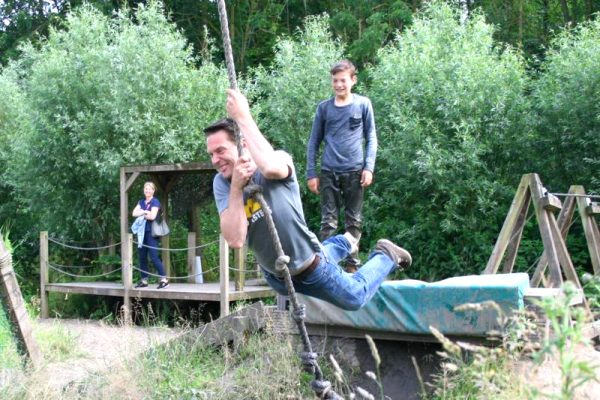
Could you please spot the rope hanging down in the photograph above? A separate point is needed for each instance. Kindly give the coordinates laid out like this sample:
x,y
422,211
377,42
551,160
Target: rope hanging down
x,y
321,387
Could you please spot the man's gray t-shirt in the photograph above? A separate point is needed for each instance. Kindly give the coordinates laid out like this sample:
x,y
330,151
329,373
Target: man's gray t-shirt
x,y
283,197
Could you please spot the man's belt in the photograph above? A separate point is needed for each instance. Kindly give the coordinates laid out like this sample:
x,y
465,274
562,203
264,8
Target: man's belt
x,y
308,270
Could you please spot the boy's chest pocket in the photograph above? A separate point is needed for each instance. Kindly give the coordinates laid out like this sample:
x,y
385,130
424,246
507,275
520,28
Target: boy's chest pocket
x,y
355,122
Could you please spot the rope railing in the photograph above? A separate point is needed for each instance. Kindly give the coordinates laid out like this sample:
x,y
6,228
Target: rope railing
x,y
178,249
56,241
53,267
174,277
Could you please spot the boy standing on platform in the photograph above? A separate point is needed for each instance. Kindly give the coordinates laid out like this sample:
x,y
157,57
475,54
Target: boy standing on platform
x,y
344,122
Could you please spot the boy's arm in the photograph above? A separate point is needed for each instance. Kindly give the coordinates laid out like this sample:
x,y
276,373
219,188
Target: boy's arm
x,y
370,137
269,162
312,148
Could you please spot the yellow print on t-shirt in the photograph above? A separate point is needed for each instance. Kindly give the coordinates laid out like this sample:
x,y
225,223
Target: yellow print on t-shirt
x,y
253,210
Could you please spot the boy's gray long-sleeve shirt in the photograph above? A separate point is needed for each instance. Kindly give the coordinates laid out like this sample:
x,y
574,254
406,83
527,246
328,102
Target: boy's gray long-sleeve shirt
x,y
343,130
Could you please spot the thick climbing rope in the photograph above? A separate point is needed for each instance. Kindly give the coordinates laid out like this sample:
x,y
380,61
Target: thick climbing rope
x,y
320,386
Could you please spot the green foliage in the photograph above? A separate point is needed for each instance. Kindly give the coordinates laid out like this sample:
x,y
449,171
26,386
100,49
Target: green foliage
x,y
449,104
567,101
265,367
566,327
100,94
288,93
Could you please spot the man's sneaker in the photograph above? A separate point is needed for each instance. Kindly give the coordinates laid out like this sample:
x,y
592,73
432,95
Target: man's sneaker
x,y
353,243
401,257
163,284
141,284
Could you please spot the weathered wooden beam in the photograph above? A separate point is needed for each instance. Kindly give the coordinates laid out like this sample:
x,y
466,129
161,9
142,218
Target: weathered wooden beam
x,y
239,260
179,167
191,256
224,275
231,328
543,218
515,239
126,249
15,306
564,223
593,209
590,228
508,227
131,180
550,203
44,312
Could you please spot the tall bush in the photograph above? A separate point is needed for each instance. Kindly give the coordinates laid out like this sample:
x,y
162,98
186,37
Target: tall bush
x,y
567,102
449,105
102,93
287,92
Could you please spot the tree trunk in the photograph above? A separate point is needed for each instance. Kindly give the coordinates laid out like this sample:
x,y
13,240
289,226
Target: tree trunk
x,y
565,10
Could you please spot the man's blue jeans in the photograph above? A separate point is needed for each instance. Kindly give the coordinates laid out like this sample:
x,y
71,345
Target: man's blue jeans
x,y
331,283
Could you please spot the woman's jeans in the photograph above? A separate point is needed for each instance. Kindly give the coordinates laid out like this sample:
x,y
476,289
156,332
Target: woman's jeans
x,y
143,252
331,283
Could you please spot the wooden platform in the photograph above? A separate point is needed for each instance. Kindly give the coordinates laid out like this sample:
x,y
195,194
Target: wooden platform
x,y
175,291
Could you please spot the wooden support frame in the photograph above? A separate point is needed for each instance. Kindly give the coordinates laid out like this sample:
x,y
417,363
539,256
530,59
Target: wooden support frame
x,y
555,259
13,300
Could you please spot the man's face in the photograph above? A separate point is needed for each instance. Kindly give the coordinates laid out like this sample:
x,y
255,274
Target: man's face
x,y
342,83
223,152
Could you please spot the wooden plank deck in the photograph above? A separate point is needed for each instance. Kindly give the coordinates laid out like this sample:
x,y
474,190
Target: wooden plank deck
x,y
176,291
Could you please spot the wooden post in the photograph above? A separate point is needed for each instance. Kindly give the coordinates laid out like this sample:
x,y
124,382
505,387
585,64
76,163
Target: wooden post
x,y
590,228
239,260
224,275
13,300
515,238
127,273
545,220
191,256
44,273
126,248
564,223
519,201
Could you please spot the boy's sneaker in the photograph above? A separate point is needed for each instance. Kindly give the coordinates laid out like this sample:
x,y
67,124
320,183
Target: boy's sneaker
x,y
163,284
141,284
400,256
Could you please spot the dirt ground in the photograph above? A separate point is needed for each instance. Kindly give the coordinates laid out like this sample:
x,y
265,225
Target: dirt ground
x,y
103,349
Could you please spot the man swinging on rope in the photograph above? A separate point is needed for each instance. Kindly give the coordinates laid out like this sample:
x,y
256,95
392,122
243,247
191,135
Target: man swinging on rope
x,y
313,265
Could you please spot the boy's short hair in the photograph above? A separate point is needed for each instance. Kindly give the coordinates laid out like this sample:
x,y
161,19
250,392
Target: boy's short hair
x,y
344,65
226,124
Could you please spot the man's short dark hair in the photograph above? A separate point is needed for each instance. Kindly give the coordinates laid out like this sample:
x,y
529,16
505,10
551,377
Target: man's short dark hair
x,y
344,65
226,124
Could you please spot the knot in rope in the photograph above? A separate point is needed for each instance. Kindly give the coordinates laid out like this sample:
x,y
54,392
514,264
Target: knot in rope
x,y
323,389
299,314
252,189
281,263
309,361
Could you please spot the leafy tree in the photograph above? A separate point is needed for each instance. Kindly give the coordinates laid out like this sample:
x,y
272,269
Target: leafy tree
x,y
448,103
567,101
287,94
100,94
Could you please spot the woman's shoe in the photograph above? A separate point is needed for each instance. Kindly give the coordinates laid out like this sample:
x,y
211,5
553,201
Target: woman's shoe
x,y
163,284
141,284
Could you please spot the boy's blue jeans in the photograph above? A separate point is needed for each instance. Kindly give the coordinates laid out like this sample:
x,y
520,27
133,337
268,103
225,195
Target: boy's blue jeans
x,y
331,283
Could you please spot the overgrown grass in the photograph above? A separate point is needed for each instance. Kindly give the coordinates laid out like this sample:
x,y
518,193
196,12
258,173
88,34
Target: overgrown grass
x,y
9,355
480,372
265,367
